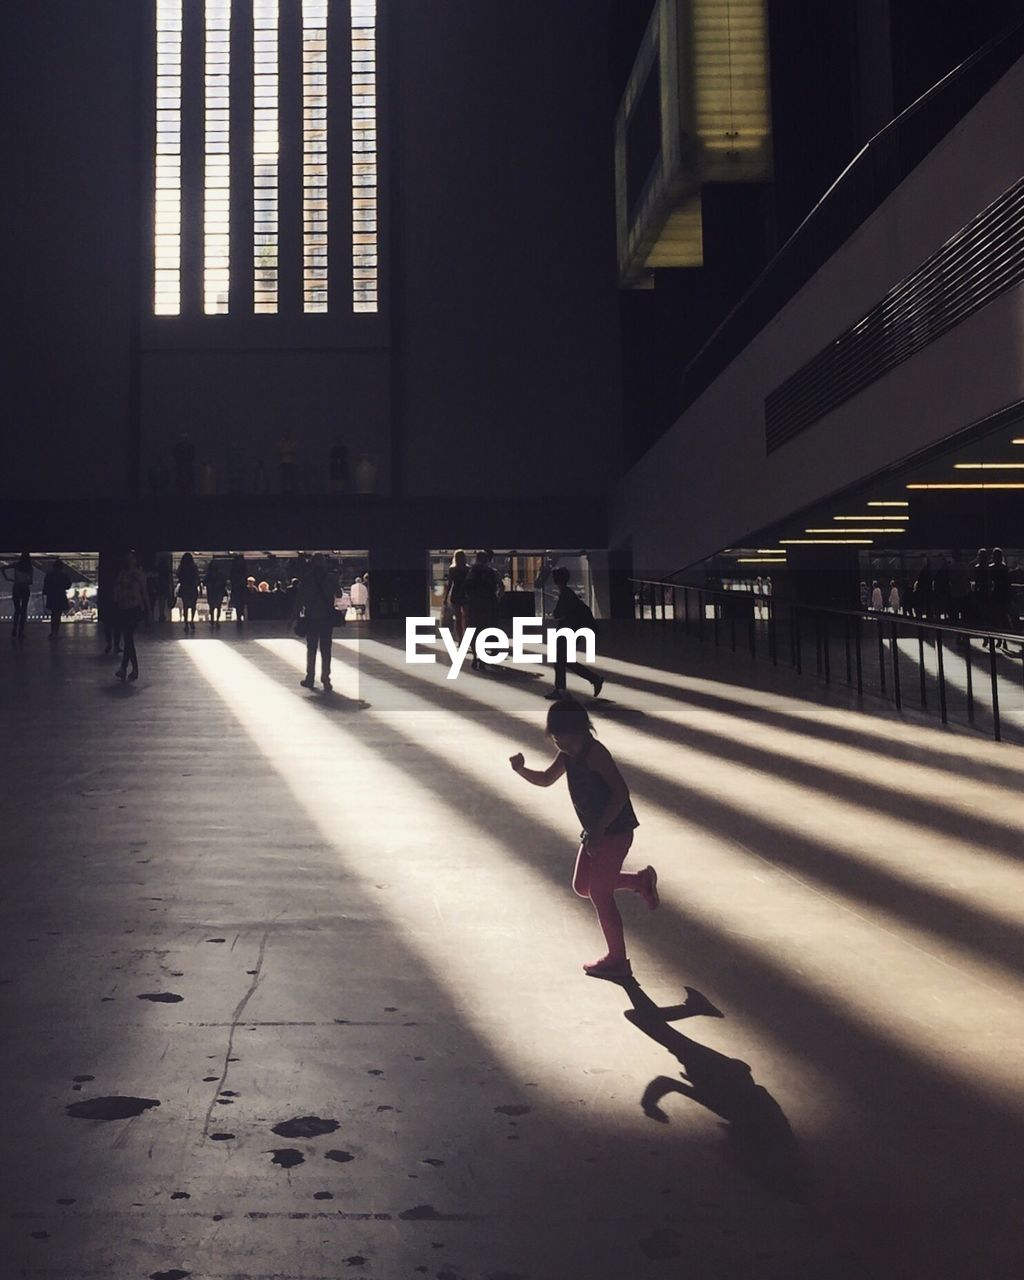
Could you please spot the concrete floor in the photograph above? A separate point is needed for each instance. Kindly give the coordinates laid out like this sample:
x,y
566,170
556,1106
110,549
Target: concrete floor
x,y
356,918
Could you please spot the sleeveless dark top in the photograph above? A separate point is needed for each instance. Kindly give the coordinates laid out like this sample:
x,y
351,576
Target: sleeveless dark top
x,y
589,793
457,577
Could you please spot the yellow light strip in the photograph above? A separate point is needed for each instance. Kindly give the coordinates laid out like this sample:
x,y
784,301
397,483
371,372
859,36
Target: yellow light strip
x,y
859,518
760,560
1018,440
983,484
888,504
844,531
769,551
988,466
831,542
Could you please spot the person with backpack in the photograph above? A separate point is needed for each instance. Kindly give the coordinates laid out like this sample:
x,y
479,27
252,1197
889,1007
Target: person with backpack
x,y
570,611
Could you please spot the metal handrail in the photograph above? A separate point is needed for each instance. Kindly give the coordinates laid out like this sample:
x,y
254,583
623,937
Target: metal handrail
x,y
827,626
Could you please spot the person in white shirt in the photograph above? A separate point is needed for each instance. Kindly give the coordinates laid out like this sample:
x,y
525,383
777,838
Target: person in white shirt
x,y
359,595
876,597
894,598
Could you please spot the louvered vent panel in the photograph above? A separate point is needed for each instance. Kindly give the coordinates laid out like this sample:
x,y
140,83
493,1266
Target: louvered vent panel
x,y
980,262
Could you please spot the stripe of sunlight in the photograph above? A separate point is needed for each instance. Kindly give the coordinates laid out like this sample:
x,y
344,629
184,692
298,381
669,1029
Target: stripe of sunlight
x,y
935,785
913,735
954,667
460,903
949,867
809,932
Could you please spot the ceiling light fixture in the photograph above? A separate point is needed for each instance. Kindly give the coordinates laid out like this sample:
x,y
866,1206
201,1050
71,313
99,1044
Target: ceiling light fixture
x,y
983,484
988,466
894,516
831,542
845,531
888,504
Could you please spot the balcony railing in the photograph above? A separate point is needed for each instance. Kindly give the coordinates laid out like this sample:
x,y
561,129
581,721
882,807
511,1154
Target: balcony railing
x,y
964,675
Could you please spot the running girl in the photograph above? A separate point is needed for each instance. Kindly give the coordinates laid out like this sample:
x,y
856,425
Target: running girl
x,y
601,800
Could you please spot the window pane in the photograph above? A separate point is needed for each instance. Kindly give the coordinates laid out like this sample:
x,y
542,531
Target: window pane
x,y
167,219
217,168
364,155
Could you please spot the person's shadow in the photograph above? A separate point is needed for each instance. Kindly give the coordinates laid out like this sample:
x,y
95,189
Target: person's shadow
x,y
761,1140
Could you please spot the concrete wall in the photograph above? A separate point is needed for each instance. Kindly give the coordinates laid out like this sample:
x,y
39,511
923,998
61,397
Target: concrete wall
x,y
708,483
506,302
67,101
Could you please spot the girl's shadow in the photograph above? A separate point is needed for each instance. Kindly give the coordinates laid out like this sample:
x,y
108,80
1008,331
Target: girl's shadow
x,y
760,1137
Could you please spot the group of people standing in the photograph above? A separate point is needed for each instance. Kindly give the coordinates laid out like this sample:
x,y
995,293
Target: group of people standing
x,y
57,582
472,597
977,594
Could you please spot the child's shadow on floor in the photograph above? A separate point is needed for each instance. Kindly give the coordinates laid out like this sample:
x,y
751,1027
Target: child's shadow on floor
x,y
761,1140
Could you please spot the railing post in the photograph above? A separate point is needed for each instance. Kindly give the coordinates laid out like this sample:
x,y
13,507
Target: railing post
x,y
895,649
860,672
714,620
825,643
846,645
799,646
817,642
881,656
995,688
942,678
920,658
970,683
773,639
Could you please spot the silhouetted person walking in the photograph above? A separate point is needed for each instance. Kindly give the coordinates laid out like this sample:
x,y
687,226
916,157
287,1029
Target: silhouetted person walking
x,y
999,594
20,575
109,614
483,587
318,589
570,611
132,600
55,592
216,590
979,588
239,582
455,594
188,589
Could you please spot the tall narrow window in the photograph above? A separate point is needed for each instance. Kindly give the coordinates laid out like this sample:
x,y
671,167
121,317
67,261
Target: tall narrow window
x,y
314,155
217,166
167,216
364,155
265,154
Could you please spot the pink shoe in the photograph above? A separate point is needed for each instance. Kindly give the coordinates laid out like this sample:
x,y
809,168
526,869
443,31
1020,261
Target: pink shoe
x,y
648,889
615,970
